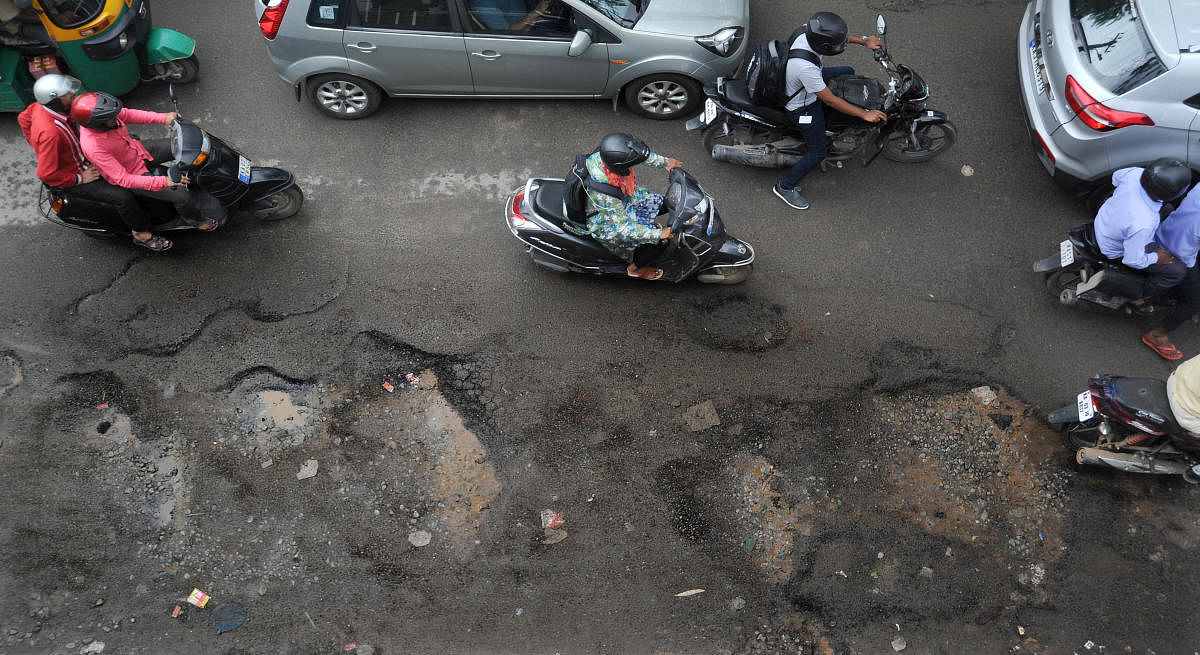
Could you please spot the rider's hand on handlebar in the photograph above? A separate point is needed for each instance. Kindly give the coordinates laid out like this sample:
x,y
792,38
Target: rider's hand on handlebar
x,y
172,116
873,116
673,163
183,182
874,42
88,174
665,234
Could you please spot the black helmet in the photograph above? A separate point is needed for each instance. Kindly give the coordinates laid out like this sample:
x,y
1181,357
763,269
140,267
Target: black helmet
x,y
1166,179
619,151
95,110
827,33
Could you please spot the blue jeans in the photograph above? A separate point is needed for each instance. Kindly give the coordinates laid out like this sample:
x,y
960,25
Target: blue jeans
x,y
813,133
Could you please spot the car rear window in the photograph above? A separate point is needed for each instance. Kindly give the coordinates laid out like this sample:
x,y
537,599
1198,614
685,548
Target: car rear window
x,y
1110,36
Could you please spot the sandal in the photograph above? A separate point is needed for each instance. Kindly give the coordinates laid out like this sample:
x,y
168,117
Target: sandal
x,y
1168,351
204,224
654,274
155,243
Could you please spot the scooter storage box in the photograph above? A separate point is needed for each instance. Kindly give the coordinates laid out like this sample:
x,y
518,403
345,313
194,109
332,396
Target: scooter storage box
x,y
15,82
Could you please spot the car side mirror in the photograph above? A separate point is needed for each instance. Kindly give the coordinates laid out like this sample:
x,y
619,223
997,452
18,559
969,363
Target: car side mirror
x,y
580,44
880,25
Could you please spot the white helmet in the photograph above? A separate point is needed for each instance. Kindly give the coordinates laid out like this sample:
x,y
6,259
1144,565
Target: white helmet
x,y
52,87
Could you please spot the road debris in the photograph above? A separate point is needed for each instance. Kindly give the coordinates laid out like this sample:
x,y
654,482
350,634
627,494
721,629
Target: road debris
x,y
412,379
94,647
967,171
388,386
176,611
554,535
308,470
551,519
984,394
701,417
841,573
899,644
419,538
197,598
102,406
227,617
689,592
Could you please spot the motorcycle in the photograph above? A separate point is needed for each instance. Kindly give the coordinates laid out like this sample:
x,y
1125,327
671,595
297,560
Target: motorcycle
x,y
1080,275
700,247
211,165
737,131
1127,424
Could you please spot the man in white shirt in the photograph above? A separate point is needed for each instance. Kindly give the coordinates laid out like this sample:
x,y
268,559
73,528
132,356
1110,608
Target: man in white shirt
x,y
825,34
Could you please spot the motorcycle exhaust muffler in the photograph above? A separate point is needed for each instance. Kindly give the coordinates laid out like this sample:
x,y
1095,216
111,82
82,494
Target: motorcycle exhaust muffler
x,y
757,156
1129,462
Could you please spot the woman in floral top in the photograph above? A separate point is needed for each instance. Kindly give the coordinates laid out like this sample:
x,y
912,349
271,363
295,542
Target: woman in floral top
x,y
626,225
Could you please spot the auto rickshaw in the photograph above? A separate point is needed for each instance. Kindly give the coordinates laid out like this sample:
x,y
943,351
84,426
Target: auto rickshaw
x,y
110,45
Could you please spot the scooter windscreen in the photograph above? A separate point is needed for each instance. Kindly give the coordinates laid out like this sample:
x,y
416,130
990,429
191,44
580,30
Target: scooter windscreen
x,y
685,199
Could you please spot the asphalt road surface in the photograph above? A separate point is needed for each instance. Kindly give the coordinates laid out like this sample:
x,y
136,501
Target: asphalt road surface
x,y
804,447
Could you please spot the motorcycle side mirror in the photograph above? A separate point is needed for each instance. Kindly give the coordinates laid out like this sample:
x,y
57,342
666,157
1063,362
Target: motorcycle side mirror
x,y
174,98
174,174
880,25
580,44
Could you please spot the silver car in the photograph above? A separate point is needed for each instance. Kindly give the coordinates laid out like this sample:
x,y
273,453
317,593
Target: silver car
x,y
345,55
1108,84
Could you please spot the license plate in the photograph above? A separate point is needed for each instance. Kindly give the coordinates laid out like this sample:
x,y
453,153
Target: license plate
x,y
243,169
710,111
1035,53
1084,403
1066,253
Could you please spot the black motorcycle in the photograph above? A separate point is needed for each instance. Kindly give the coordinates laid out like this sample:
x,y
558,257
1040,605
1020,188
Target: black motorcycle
x,y
211,164
735,130
535,214
1079,275
1127,424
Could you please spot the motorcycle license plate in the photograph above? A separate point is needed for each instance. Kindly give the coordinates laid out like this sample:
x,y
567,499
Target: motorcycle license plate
x,y
1066,253
710,111
1084,402
243,169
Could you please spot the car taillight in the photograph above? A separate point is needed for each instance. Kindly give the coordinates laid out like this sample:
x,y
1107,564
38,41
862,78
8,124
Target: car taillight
x,y
1097,116
272,18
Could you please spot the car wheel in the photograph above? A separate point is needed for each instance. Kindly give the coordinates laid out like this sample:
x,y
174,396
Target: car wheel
x,y
344,96
663,96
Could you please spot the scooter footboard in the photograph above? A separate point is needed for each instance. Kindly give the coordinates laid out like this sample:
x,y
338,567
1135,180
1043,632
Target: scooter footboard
x,y
734,252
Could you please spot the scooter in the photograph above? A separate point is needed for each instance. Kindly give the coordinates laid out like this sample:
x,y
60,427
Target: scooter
x,y
735,130
535,215
1079,275
1127,424
211,165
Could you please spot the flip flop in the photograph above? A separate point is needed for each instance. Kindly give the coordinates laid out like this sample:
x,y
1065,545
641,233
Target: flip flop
x,y
207,225
1168,351
653,275
155,243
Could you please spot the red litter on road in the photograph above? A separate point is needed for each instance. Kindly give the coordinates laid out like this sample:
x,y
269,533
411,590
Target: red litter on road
x,y
389,387
551,518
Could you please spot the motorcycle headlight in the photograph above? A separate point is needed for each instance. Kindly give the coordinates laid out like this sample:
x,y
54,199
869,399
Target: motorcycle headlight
x,y
723,42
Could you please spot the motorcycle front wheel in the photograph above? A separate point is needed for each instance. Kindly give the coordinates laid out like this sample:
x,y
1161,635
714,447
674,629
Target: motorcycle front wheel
x,y
928,141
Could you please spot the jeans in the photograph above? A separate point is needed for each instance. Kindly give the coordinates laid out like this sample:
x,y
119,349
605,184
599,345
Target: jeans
x,y
813,133
127,205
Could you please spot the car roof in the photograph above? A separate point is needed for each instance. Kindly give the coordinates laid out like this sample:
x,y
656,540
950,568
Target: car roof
x,y
1187,24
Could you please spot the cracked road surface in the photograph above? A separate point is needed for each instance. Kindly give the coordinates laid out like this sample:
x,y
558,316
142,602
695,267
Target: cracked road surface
x,y
805,448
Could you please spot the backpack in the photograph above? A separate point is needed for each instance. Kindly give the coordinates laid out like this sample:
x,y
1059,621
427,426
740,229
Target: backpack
x,y
575,200
766,74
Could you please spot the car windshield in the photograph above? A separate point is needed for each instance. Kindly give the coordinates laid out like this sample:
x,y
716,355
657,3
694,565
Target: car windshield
x,y
72,13
1112,39
624,12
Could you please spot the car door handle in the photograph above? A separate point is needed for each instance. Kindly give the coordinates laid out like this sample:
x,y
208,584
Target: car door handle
x,y
362,46
490,55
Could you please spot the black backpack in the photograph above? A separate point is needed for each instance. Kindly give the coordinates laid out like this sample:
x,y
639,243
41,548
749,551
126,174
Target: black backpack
x,y
577,183
766,74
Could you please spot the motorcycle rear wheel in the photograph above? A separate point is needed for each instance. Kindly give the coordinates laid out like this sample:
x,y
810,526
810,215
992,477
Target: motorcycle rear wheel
x,y
1060,281
931,140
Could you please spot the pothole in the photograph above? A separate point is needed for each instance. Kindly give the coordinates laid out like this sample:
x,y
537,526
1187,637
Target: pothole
x,y
742,324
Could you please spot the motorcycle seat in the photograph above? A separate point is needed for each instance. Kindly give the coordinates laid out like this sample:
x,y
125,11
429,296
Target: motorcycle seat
x,y
1146,399
737,92
549,202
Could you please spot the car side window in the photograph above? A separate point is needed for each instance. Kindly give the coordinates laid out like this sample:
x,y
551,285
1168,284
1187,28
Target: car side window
x,y
424,15
543,18
325,13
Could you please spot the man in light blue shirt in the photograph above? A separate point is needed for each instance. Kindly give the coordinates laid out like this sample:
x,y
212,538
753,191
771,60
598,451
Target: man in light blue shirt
x,y
1180,234
1126,223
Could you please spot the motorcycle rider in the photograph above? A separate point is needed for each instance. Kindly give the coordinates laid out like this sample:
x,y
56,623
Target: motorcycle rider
x,y
125,161
626,225
61,163
1180,235
825,34
1127,222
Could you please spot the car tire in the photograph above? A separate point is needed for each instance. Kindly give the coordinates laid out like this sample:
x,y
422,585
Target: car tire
x,y
663,97
343,96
